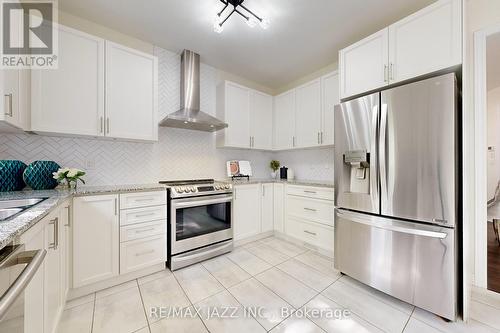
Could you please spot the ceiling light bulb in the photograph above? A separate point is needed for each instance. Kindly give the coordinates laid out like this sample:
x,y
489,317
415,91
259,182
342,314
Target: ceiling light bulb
x,y
264,23
218,28
252,21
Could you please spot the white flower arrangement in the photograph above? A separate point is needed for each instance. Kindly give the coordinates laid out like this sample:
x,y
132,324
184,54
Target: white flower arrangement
x,y
69,175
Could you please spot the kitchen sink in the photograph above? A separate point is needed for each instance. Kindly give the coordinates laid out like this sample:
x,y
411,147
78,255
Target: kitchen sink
x,y
9,208
9,212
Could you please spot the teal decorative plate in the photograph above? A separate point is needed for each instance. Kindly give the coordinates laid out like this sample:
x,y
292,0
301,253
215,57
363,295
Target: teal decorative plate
x,y
38,175
11,175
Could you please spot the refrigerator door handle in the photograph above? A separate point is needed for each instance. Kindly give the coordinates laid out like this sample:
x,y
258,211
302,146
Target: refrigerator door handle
x,y
383,157
379,223
374,157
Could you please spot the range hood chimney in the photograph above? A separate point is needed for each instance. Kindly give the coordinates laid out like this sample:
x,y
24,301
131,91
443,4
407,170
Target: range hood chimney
x,y
190,116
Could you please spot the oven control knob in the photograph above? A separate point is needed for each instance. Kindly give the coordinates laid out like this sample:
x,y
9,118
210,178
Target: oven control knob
x,y
227,186
180,189
193,189
217,187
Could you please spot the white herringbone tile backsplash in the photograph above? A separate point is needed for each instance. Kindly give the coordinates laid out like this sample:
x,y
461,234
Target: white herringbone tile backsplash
x,y
179,154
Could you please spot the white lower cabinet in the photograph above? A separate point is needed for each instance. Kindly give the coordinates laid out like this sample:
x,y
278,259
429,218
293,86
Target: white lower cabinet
x,y
310,215
45,295
141,253
52,287
246,211
267,211
95,239
34,239
312,233
279,207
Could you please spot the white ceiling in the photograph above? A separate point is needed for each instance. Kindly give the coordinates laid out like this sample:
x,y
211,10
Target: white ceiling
x,y
304,36
493,61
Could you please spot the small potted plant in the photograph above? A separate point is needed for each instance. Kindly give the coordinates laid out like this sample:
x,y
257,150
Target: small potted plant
x,y
69,176
275,165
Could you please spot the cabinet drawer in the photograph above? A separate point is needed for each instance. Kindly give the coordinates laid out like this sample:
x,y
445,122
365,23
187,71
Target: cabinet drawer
x,y
324,193
320,211
142,230
142,253
143,199
140,215
315,234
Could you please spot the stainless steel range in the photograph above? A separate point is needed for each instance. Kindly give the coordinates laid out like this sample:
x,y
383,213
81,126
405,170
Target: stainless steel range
x,y
199,220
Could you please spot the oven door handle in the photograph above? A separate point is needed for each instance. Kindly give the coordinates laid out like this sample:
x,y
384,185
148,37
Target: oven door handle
x,y
202,202
34,259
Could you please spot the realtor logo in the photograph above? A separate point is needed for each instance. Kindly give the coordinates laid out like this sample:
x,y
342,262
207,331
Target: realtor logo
x,y
29,34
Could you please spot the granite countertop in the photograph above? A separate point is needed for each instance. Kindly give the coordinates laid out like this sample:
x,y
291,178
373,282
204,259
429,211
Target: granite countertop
x,y
15,226
243,181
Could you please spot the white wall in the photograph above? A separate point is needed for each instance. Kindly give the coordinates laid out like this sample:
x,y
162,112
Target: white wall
x,y
493,166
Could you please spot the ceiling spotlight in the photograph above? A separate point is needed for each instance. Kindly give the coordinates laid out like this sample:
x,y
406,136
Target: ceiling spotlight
x,y
251,19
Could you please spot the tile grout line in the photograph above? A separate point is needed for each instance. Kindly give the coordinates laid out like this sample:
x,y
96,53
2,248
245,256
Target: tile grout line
x,y
93,313
227,289
190,302
253,277
406,324
143,305
366,292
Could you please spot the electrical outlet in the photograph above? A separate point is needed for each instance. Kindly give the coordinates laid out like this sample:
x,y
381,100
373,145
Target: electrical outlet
x,y
90,164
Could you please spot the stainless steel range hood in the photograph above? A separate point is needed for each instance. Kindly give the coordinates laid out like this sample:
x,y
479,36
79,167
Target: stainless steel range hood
x,y
190,116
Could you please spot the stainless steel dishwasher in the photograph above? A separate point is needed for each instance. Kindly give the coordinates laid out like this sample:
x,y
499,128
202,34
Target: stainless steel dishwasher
x,y
17,268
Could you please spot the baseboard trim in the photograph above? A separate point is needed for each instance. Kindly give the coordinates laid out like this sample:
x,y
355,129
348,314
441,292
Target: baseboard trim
x,y
91,288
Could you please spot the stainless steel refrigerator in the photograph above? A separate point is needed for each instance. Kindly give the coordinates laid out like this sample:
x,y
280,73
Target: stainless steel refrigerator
x,y
396,192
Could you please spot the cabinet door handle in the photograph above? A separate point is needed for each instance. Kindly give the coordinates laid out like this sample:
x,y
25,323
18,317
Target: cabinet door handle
x,y
107,125
69,217
386,74
101,121
318,138
9,112
310,209
116,206
321,141
144,214
253,142
145,230
144,253
310,232
391,72
144,199
55,235
312,192
293,141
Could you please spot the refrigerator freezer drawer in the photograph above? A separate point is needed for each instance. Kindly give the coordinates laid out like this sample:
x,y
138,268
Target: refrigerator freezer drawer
x,y
410,261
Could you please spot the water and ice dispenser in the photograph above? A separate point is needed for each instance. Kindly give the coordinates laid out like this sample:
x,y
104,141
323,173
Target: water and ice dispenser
x,y
359,163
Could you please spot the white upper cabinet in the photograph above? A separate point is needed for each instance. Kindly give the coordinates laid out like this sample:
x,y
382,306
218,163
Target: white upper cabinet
x,y
15,91
70,99
96,93
284,120
233,107
363,65
329,98
249,115
308,114
426,41
261,120
131,93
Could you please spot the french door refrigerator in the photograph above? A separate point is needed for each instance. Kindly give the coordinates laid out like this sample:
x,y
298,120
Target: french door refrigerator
x,y
396,192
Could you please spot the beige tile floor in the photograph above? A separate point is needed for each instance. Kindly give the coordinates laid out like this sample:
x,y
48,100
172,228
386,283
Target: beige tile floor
x,y
276,279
